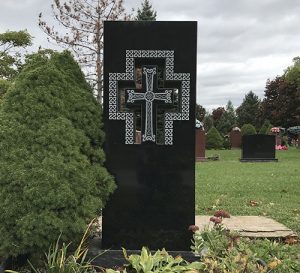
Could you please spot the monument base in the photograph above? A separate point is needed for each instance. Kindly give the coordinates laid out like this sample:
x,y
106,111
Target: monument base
x,y
258,160
115,258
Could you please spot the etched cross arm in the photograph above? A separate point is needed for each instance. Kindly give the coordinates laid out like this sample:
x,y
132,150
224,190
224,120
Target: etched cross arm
x,y
134,96
166,96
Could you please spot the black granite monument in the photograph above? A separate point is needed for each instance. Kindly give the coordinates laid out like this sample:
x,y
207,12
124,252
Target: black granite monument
x,y
258,148
150,86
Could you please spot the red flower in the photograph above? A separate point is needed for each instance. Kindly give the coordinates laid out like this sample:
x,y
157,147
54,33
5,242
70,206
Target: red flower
x,y
253,203
275,130
222,213
193,228
215,220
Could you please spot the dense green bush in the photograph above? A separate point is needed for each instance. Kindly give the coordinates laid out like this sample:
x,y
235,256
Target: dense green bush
x,y
4,85
248,129
52,178
213,139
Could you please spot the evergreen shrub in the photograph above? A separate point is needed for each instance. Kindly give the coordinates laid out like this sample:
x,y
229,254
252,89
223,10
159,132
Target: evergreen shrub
x,y
52,178
248,129
265,128
213,139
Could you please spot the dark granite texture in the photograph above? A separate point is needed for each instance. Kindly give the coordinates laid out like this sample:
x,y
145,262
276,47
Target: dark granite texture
x,y
155,200
115,258
258,148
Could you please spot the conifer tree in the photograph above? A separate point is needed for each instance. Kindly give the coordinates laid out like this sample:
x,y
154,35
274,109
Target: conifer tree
x,y
248,111
265,128
52,179
146,12
213,139
228,119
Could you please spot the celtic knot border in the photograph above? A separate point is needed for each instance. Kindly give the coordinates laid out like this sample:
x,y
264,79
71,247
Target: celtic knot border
x,y
182,114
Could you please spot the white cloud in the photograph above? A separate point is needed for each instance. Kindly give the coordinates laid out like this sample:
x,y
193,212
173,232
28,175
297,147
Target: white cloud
x,y
240,43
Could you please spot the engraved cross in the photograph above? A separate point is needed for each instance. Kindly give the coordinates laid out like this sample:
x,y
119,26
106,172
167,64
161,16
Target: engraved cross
x,y
150,94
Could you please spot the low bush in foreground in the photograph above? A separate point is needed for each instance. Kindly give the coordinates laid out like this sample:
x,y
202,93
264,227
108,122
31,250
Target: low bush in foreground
x,y
224,251
219,251
159,262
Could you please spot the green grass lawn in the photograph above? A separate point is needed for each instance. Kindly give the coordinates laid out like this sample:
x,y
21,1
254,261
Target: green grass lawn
x,y
231,185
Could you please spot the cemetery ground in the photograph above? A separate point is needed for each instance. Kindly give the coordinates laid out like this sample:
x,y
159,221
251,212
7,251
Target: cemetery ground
x,y
270,189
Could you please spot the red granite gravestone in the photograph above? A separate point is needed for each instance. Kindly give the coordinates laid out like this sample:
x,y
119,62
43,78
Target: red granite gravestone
x,y
235,139
200,145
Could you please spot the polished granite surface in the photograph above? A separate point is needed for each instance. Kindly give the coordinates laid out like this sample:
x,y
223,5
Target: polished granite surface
x,y
154,203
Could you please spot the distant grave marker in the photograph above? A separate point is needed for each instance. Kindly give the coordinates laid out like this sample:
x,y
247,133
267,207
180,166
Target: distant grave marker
x,y
200,144
235,138
258,148
149,120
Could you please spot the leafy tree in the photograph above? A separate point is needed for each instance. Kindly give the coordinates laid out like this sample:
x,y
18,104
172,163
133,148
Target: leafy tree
x,y
52,178
208,122
265,128
11,43
248,129
217,114
146,12
227,120
281,104
213,139
200,112
83,35
292,73
292,76
248,111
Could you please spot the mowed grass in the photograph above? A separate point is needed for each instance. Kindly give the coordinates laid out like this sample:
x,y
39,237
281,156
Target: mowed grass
x,y
231,185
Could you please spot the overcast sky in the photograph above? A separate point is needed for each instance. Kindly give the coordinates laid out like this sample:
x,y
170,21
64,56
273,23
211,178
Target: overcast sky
x,y
241,43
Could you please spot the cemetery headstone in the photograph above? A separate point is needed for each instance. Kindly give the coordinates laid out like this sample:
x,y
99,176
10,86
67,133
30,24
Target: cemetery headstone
x,y
235,138
150,86
258,148
200,144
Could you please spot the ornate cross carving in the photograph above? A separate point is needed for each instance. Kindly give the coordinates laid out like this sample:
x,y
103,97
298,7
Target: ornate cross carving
x,y
169,117
150,94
